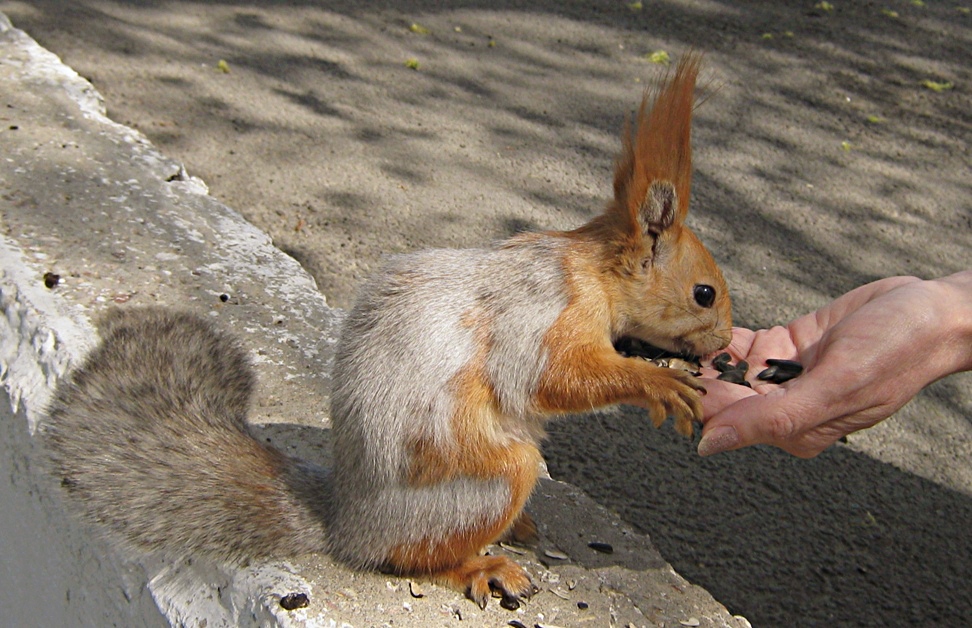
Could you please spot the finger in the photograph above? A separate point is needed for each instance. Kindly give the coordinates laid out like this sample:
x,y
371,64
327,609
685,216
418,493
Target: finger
x,y
742,341
720,394
775,342
776,418
725,431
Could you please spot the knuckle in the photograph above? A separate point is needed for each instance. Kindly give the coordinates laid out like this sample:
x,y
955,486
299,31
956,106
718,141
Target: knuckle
x,y
782,428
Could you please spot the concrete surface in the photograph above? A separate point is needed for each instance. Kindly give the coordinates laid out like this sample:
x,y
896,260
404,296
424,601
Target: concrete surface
x,y
119,224
822,162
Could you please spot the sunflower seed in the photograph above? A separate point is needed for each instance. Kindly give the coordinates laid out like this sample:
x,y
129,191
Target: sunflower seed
x,y
415,589
293,601
721,362
509,602
780,371
512,548
733,376
604,548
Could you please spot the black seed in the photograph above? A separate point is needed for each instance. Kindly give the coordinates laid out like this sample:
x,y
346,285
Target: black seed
x,y
743,366
780,371
224,298
786,366
51,280
509,602
721,362
775,376
733,376
768,374
583,606
516,623
293,601
604,548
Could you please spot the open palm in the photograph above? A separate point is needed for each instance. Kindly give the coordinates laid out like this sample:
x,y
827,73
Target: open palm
x,y
865,355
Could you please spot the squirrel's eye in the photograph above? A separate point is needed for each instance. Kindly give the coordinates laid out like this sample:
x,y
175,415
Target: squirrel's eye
x,y
704,295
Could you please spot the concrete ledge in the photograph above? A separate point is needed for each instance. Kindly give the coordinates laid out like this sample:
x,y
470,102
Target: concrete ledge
x,y
92,216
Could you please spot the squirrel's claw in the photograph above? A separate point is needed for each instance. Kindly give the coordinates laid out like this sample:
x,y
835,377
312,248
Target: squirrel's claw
x,y
480,575
674,394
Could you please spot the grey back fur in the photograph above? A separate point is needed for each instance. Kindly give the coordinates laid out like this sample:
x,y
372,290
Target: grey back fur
x,y
415,325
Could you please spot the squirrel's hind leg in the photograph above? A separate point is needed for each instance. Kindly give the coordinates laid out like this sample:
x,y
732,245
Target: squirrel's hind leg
x,y
455,562
454,559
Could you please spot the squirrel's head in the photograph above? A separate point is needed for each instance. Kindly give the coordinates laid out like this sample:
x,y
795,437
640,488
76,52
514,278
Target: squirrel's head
x,y
670,291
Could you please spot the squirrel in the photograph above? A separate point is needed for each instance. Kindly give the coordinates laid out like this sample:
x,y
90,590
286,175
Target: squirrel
x,y
448,366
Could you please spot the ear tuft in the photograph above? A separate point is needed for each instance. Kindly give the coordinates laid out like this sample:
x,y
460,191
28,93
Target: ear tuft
x,y
655,164
657,212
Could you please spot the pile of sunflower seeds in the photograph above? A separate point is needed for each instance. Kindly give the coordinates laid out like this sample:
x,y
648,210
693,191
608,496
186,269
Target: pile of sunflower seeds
x,y
777,371
634,348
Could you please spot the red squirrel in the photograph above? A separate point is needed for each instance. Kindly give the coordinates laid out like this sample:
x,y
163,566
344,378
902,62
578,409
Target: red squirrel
x,y
448,366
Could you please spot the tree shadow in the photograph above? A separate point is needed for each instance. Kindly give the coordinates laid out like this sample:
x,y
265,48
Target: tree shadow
x,y
841,539
821,163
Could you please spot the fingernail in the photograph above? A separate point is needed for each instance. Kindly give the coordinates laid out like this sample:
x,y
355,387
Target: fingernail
x,y
718,440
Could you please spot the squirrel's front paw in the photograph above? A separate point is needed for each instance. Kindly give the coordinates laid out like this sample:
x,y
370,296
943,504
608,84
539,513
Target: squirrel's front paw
x,y
676,394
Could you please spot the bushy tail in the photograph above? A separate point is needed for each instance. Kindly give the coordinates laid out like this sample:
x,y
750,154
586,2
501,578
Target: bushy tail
x,y
149,438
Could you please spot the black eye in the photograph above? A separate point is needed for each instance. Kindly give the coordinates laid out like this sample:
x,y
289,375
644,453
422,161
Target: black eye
x,y
704,295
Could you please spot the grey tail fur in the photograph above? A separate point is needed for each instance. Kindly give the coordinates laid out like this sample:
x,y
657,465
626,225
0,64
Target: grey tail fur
x,y
149,437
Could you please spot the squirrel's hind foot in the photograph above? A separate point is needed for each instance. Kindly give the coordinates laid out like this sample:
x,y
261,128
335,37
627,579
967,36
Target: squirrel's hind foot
x,y
480,575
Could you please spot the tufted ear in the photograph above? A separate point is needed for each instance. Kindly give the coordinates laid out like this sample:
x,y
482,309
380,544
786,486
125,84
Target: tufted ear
x,y
659,209
653,177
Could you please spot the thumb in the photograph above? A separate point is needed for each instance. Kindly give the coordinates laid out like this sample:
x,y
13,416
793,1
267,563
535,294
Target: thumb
x,y
753,420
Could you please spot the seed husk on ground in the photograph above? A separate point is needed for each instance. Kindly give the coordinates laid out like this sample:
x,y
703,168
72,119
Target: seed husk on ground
x,y
598,546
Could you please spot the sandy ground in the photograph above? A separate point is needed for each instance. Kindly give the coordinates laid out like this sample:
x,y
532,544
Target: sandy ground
x,y
822,161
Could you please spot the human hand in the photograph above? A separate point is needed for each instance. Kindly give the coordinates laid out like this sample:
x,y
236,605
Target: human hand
x,y
865,355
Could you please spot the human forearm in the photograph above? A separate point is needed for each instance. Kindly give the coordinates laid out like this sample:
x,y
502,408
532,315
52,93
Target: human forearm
x,y
956,335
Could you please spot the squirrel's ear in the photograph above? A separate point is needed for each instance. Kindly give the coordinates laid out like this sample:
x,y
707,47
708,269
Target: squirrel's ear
x,y
653,177
659,209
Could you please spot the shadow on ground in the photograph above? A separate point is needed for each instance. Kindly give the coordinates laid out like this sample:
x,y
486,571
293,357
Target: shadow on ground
x,y
840,540
822,163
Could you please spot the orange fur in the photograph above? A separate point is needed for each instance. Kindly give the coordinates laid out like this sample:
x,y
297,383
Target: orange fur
x,y
585,372
478,574
661,148
605,277
478,451
479,448
523,530
519,466
455,559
